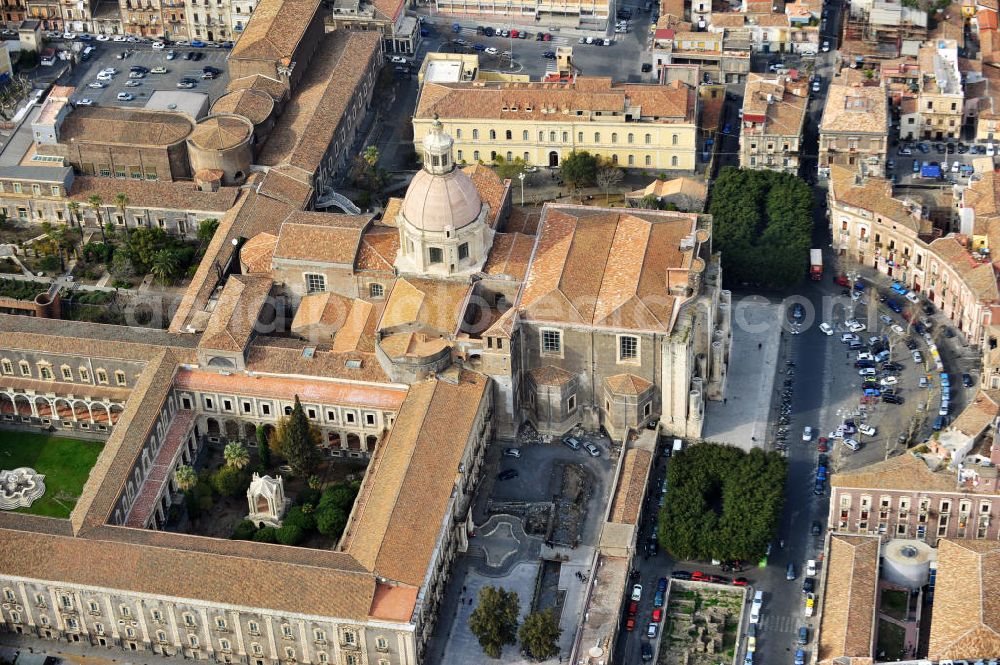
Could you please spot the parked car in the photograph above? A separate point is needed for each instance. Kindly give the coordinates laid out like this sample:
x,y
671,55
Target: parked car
x,y
800,656
508,474
826,328
511,452
637,592
125,96
790,572
811,567
592,449
892,398
680,575
967,380
808,585
817,528
804,635
807,433
867,430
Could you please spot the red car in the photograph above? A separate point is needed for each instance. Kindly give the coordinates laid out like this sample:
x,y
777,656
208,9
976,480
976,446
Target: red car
x,y
630,624
841,280
547,37
633,608
741,581
657,615
698,575
822,446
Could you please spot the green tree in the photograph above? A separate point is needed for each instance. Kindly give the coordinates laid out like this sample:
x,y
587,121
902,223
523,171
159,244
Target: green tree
x,y
230,481
96,203
263,448
74,216
298,439
650,202
206,231
540,634
185,477
121,202
371,156
266,535
121,266
509,170
164,265
244,530
494,621
579,169
143,244
290,534
330,521
236,455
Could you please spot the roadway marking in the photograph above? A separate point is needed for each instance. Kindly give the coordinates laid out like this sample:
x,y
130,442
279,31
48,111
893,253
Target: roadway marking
x,y
780,623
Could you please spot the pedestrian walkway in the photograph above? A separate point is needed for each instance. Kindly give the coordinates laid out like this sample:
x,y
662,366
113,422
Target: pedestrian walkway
x,y
741,419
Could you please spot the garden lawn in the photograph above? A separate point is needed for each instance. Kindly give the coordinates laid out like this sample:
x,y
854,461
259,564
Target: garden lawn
x,y
65,463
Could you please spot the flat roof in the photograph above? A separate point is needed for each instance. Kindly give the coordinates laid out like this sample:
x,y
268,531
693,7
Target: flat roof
x,y
447,71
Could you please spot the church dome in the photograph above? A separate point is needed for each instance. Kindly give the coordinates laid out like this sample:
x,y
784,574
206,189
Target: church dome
x,y
439,202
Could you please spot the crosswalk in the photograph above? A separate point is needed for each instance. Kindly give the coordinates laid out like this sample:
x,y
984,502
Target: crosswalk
x,y
779,623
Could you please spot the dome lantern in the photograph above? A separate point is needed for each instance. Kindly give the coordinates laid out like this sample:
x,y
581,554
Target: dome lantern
x,y
437,150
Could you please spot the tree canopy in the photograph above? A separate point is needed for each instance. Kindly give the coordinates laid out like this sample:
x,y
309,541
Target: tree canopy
x,y
579,169
540,634
763,226
722,502
494,621
297,440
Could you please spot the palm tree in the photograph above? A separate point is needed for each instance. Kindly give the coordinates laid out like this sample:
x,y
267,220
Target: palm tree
x,y
236,455
371,156
121,200
96,202
164,265
185,477
74,216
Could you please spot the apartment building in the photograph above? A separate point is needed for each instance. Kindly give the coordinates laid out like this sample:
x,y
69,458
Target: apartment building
x,y
722,53
632,125
853,132
774,113
588,14
938,109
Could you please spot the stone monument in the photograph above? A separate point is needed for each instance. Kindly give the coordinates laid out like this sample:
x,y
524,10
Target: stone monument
x,y
266,498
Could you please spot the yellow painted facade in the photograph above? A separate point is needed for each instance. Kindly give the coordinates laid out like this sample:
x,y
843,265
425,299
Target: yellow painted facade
x,y
644,145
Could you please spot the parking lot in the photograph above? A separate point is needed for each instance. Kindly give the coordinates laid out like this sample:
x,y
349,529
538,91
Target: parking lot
x,y
106,55
934,153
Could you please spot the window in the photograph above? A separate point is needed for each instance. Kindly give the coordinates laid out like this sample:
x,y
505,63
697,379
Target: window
x,y
45,372
631,160
193,641
673,139
102,376
551,341
220,623
104,170
120,378
381,643
463,251
628,348
458,133
189,620
253,627
8,594
510,135
376,290
157,615
8,366
257,649
349,637
322,657
673,160
319,635
161,637
125,611
649,160
224,645
265,409
67,373
150,173
475,134
286,630
290,653
17,188
435,255
524,135
648,139
614,137
54,189
571,403
84,374
247,408
597,137
71,624
350,660
315,283
493,135
120,172
25,368
631,137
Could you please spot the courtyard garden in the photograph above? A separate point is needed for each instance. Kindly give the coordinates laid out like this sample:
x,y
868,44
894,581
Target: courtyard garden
x,y
701,626
65,463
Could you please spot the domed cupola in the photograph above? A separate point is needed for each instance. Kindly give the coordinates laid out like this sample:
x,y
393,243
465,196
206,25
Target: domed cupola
x,y
442,222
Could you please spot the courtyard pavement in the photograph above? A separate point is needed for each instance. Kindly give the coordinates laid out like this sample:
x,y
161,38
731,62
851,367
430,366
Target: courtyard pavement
x,y
741,419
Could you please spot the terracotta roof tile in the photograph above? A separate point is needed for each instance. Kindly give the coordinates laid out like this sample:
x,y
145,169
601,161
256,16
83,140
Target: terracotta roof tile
x,y
303,133
435,304
168,569
608,268
394,602
510,255
696,190
88,339
254,105
851,572
271,86
275,29
855,110
256,253
776,106
154,195
672,103
66,388
124,126
903,472
311,391
277,355
379,246
321,237
414,476
492,190
504,326
627,501
221,132
627,384
288,184
234,319
550,375
966,622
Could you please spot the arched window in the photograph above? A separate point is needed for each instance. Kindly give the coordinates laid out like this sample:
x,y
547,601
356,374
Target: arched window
x,y
673,160
376,290
524,135
458,133
614,137
475,134
673,139
631,137
631,160
510,135
541,136
552,137
597,137
510,156
649,160
649,139
614,159
493,135
565,137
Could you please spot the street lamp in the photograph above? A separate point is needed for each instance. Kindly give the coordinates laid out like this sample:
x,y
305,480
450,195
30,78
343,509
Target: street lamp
x,y
520,176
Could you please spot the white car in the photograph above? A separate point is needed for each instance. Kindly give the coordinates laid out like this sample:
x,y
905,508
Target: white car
x,y
807,433
826,328
826,47
105,77
109,70
133,84
491,51
855,326
864,355
69,35
171,54
811,568
85,102
889,381
847,338
917,358
118,38
896,328
866,371
886,319
637,592
913,297
398,60
867,430
97,85
103,38
158,45
990,150
125,96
